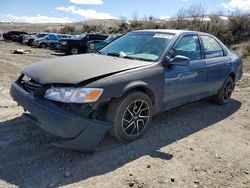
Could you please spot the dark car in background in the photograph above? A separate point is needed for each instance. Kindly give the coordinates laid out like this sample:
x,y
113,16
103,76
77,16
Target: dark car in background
x,y
97,45
79,43
53,44
120,88
19,38
9,35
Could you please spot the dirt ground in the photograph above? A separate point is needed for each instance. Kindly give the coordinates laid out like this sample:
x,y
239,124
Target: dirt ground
x,y
197,145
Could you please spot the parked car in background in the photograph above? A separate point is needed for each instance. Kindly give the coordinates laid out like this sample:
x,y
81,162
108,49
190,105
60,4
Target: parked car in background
x,y
1,34
97,45
14,37
120,88
20,38
79,43
9,35
53,45
43,42
30,38
49,39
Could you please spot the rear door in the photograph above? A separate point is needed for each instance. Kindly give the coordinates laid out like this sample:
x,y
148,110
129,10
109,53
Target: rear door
x,y
185,83
218,63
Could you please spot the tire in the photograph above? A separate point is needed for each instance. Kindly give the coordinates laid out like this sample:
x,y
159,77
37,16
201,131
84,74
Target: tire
x,y
130,115
224,94
43,45
30,42
74,50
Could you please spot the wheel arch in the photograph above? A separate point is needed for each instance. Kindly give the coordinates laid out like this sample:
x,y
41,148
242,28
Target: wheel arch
x,y
233,75
142,87
43,43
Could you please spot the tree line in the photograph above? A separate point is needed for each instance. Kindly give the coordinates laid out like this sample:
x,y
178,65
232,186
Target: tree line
x,y
233,29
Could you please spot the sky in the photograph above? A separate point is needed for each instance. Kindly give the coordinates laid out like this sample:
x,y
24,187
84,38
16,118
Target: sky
x,y
63,11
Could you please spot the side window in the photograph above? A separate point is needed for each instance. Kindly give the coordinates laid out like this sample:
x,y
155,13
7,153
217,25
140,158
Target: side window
x,y
53,37
212,48
189,46
92,37
100,37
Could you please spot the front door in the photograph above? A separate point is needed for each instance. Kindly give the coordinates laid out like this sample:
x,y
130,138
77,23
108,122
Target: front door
x,y
185,83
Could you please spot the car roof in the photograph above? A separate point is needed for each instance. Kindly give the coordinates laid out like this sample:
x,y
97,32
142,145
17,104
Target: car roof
x,y
173,31
94,34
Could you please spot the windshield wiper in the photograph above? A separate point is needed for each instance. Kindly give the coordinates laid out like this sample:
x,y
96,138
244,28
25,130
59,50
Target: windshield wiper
x,y
98,52
116,54
137,58
129,57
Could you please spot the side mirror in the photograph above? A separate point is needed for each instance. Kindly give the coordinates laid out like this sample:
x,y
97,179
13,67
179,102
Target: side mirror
x,y
180,60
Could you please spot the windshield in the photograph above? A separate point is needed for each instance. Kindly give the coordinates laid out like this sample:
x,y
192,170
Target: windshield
x,y
148,46
79,37
110,38
40,35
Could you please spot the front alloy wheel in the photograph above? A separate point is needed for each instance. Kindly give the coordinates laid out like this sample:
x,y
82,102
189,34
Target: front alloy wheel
x,y
43,45
130,115
74,51
135,118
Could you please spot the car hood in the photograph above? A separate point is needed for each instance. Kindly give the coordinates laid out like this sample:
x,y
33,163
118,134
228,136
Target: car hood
x,y
79,68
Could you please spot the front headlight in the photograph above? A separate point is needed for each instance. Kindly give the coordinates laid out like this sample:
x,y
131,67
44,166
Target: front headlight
x,y
73,95
64,43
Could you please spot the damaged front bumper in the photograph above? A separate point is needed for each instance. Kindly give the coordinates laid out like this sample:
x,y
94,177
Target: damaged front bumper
x,y
78,133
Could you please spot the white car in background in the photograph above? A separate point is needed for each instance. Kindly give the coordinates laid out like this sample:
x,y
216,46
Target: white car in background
x,y
30,38
46,41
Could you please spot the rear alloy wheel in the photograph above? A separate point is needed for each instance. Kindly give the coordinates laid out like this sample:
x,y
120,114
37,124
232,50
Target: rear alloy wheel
x,y
74,51
130,116
43,45
225,92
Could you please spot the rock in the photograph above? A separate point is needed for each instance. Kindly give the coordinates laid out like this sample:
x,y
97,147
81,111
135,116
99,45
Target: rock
x,y
148,166
196,182
161,181
195,168
191,149
131,184
172,179
130,174
246,172
67,174
217,156
244,182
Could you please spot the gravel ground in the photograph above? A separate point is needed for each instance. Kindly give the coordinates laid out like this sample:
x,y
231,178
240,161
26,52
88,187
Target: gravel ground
x,y
197,145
